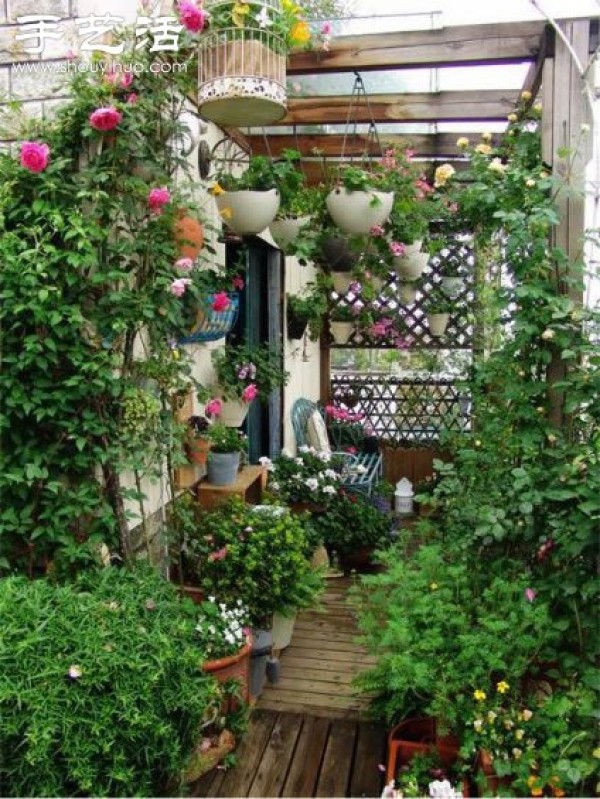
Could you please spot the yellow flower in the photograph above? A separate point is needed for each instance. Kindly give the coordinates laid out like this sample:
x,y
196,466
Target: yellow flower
x,y
525,715
290,6
530,183
226,213
434,586
512,117
517,753
240,10
478,724
484,149
216,190
479,695
537,107
502,687
526,96
487,136
443,174
519,734
496,165
492,716
462,142
543,174
596,753
300,33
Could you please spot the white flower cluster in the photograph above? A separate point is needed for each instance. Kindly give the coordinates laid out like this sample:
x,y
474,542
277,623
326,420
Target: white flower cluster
x,y
229,626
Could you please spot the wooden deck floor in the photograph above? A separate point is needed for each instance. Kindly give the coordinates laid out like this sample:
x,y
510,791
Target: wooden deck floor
x,y
308,735
318,667
289,754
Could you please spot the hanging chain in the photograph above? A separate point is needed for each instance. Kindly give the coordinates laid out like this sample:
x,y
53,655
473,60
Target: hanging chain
x,y
359,95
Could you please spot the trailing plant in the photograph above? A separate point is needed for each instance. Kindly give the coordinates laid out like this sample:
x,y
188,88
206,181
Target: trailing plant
x,y
101,690
247,371
311,306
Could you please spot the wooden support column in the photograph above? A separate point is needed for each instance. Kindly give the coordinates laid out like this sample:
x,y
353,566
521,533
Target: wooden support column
x,y
565,110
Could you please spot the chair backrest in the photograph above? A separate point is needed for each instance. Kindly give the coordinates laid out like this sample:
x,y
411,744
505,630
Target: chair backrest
x,y
302,410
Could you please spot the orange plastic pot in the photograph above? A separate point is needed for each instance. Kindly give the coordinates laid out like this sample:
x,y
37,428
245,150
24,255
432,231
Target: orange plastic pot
x,y
197,450
189,235
234,667
418,735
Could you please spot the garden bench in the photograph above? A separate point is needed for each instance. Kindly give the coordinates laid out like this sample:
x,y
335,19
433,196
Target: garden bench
x,y
361,471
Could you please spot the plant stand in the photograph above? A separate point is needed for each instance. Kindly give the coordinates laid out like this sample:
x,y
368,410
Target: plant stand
x,y
248,485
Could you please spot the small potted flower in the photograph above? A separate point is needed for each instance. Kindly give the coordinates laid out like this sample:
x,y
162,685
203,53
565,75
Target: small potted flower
x,y
227,444
341,323
306,311
438,308
307,481
197,443
299,202
243,373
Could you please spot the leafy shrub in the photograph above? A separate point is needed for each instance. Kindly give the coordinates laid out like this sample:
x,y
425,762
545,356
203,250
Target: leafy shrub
x,y
101,693
351,522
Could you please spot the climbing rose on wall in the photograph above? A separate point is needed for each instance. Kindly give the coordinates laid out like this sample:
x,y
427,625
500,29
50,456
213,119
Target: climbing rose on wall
x,y
157,198
191,16
249,393
35,156
105,118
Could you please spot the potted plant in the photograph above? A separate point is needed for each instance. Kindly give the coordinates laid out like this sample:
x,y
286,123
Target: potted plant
x,y
353,527
438,308
417,756
339,254
409,291
197,442
299,203
341,323
248,203
244,372
307,481
361,199
224,457
306,311
453,265
208,305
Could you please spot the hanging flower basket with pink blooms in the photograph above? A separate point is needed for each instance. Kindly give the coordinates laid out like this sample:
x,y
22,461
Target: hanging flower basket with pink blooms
x,y
216,318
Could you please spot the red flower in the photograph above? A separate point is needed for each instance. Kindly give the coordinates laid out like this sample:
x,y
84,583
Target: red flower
x,y
157,199
105,118
249,393
35,156
220,302
237,283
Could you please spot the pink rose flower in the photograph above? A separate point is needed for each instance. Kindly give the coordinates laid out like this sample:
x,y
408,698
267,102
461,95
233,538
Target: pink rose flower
x,y
35,156
376,231
530,594
105,118
184,264
220,302
178,287
126,80
326,29
213,407
237,283
397,248
219,554
192,17
249,393
132,98
157,198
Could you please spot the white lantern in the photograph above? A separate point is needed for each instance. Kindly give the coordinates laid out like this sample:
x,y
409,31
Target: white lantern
x,y
404,496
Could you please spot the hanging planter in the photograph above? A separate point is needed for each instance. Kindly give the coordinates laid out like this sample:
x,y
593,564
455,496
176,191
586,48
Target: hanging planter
x,y
286,231
189,235
337,254
341,331
242,68
341,281
408,293
411,265
356,212
452,286
248,212
296,325
213,325
234,412
438,322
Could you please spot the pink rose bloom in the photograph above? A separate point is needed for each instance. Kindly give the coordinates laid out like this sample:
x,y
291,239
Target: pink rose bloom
x,y
376,231
105,118
178,287
157,198
397,248
237,283
249,393
213,407
132,98
126,80
191,16
530,594
184,264
326,29
219,554
34,156
220,302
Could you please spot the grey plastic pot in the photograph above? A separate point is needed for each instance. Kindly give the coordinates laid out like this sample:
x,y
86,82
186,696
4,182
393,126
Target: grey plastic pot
x,y
223,467
262,643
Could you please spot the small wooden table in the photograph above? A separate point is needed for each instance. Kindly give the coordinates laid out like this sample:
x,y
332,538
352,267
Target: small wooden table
x,y
249,486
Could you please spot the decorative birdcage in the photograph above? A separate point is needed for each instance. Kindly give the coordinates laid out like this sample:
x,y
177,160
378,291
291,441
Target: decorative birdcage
x,y
213,325
242,68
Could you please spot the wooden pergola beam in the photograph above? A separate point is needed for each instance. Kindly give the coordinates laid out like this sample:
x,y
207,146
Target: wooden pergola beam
x,y
332,145
504,43
489,105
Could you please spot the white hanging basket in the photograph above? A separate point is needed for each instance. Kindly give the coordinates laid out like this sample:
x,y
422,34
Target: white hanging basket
x,y
411,265
248,212
408,293
242,70
341,331
356,212
286,231
234,412
452,286
341,281
438,322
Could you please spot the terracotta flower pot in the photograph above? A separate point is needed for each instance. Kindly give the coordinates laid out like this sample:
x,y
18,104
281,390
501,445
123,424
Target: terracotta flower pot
x,y
485,764
418,735
234,667
189,235
197,450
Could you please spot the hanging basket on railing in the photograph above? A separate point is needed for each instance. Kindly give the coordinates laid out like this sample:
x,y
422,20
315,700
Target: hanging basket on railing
x,y
213,325
241,70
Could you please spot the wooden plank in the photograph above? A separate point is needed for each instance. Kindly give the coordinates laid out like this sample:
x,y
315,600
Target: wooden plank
x,y
334,778
318,664
501,43
333,145
330,678
329,713
272,769
302,698
209,784
334,654
489,104
370,753
304,770
325,644
309,683
533,79
237,781
327,632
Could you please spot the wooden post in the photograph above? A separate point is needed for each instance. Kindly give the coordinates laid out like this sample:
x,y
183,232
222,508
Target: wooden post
x,y
565,110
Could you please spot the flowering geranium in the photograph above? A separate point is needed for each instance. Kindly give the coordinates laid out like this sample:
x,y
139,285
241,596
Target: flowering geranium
x,y
105,119
247,371
34,156
223,629
310,476
179,286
